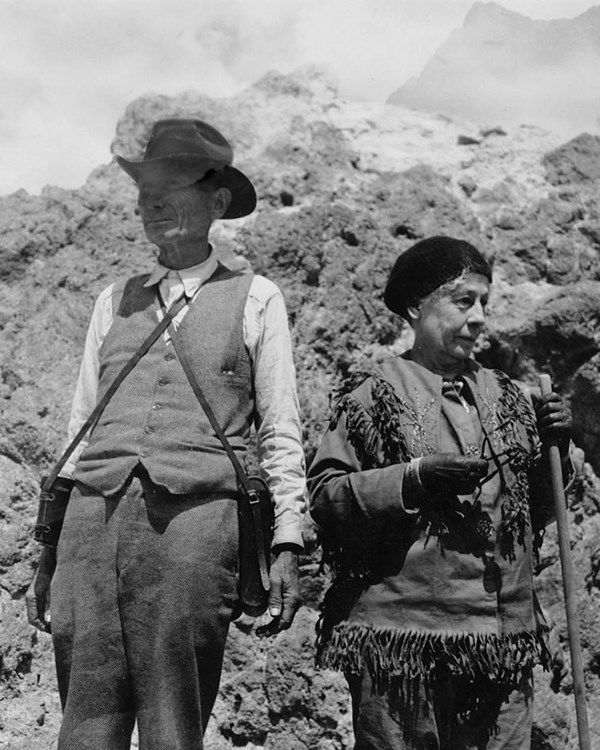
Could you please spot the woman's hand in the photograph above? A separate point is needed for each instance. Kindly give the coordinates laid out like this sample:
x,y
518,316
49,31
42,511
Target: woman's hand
x,y
554,421
451,473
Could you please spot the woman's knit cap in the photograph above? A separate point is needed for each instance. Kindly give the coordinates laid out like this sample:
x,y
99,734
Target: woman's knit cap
x,y
427,265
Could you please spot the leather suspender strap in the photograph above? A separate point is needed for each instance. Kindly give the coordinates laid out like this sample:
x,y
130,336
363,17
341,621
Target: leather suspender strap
x,y
101,405
242,477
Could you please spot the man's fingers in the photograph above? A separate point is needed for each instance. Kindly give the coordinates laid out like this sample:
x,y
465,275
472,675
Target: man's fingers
x,y
284,596
36,615
282,622
289,611
37,596
37,602
275,596
271,628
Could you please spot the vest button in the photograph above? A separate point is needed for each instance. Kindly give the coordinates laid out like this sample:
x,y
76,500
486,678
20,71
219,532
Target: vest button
x,y
148,429
169,356
163,381
144,453
156,407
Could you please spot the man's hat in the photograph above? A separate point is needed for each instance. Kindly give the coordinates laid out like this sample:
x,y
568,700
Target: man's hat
x,y
427,265
190,150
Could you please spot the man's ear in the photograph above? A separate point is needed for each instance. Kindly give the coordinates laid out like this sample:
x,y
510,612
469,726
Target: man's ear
x,y
221,201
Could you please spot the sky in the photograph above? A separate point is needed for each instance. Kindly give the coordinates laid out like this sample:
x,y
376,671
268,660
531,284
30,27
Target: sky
x,y
68,68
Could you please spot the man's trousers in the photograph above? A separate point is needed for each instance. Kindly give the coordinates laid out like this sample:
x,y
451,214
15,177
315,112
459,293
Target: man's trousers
x,y
141,602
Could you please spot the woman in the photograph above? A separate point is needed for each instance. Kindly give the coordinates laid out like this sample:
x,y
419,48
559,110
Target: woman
x,y
431,496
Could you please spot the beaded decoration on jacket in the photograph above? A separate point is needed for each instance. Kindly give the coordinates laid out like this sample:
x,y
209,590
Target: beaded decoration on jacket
x,y
491,666
379,440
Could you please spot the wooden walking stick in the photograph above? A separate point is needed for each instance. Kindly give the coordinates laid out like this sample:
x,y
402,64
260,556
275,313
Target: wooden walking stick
x,y
562,523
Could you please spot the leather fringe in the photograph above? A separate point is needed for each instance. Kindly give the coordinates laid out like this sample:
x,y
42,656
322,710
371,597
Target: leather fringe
x,y
385,652
488,666
377,437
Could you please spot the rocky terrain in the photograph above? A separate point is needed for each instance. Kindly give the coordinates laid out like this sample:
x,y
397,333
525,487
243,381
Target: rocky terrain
x,y
506,68
343,189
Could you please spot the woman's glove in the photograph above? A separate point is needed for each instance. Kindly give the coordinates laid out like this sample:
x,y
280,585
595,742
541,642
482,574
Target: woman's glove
x,y
451,473
554,421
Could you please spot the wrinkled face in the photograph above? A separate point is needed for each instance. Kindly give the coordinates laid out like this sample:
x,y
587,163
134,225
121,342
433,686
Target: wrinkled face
x,y
448,322
171,211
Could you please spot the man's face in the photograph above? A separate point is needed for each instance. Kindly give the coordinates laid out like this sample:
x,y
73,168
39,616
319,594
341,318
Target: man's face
x,y
450,320
173,212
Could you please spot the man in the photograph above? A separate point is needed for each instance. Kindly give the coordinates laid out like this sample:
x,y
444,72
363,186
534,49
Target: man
x,y
432,492
144,579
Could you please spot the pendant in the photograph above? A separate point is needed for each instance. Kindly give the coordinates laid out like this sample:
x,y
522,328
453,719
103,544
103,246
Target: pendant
x,y
492,576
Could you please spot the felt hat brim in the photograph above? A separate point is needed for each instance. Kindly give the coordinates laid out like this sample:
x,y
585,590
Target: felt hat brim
x,y
188,168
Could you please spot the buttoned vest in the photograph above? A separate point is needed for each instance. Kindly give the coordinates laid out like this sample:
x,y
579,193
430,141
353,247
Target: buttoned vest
x,y
154,418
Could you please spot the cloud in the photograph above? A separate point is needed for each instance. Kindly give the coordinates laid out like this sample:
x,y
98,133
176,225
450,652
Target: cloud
x,y
70,68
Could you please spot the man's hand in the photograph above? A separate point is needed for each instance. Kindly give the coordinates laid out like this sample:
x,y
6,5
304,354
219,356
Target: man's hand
x,y
554,421
37,597
451,473
284,596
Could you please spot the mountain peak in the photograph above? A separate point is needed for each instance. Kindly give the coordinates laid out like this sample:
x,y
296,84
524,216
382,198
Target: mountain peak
x,y
485,13
503,67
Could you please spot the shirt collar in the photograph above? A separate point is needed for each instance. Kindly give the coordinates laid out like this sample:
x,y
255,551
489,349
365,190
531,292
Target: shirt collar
x,y
192,277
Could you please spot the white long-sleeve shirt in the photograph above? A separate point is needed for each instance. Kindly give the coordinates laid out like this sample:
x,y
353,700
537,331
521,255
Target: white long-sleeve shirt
x,y
267,338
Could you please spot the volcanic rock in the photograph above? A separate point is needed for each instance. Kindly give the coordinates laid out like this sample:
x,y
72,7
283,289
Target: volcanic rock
x,y
343,189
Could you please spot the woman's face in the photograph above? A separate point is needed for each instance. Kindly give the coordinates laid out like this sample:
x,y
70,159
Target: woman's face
x,y
448,322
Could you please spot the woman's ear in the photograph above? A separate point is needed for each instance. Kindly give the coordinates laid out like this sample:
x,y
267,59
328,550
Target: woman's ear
x,y
414,313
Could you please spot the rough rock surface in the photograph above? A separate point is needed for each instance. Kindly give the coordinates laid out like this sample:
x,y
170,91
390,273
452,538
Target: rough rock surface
x,y
343,189
576,161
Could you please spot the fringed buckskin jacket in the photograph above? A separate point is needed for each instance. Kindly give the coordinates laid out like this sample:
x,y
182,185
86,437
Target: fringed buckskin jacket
x,y
449,582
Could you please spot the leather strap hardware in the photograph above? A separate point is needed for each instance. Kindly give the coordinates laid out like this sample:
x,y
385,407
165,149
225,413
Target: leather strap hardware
x,y
243,479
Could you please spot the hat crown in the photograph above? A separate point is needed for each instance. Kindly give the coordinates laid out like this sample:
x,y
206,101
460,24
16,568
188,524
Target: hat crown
x,y
187,137
190,149
426,266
